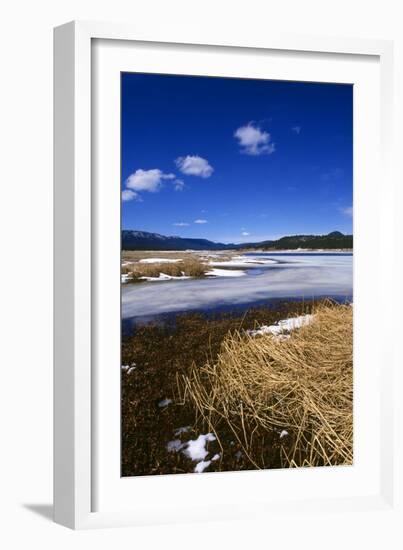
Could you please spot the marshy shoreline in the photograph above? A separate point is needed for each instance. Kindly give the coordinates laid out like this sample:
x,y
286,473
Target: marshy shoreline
x,y
159,283
169,397
151,266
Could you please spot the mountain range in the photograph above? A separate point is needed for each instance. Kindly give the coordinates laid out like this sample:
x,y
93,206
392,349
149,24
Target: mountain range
x,y
144,240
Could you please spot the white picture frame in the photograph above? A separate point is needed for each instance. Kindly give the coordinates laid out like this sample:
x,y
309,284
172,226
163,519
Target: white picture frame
x,y
79,311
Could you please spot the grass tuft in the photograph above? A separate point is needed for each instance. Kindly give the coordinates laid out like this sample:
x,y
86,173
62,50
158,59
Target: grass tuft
x,y
190,267
256,387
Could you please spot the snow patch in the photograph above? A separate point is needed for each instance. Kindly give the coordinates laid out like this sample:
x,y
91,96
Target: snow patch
x,y
283,433
196,448
201,466
129,368
164,403
284,326
124,278
243,261
174,446
159,261
225,273
165,277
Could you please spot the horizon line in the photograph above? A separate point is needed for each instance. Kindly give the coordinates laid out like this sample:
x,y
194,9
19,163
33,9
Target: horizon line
x,y
243,242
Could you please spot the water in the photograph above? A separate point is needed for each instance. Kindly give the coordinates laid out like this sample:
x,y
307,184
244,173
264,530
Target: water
x,y
293,276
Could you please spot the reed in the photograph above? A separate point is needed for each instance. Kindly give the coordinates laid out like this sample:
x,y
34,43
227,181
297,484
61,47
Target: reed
x,y
190,267
259,386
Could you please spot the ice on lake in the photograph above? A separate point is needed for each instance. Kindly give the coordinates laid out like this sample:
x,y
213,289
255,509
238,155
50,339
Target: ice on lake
x,y
290,276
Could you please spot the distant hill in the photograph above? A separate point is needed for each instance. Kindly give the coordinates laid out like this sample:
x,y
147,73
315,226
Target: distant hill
x,y
143,240
334,240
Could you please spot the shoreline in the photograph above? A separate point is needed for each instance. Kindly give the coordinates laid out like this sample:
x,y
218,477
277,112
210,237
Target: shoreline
x,y
154,412
238,250
159,266
300,251
231,310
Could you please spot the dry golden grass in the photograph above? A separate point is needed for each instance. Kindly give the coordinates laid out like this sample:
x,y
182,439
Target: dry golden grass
x,y
303,385
191,267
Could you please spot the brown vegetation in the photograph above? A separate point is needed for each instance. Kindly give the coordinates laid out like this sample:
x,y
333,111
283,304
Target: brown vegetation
x,y
257,387
191,267
162,354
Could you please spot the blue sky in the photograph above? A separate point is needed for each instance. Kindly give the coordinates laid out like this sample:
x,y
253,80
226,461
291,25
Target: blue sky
x,y
235,160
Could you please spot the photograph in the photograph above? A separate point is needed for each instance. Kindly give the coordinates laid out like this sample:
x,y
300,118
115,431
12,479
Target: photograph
x,y
236,274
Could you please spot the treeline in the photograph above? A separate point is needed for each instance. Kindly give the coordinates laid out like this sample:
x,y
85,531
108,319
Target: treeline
x,y
326,242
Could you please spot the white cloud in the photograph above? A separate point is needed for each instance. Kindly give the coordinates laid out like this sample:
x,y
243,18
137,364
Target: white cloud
x,y
254,141
147,180
179,185
200,221
181,224
347,211
296,129
129,195
194,166
245,233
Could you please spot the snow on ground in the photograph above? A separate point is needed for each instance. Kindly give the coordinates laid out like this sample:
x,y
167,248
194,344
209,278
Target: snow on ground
x,y
243,261
129,368
174,446
165,403
283,433
311,251
195,449
125,277
201,466
159,261
286,325
165,277
225,272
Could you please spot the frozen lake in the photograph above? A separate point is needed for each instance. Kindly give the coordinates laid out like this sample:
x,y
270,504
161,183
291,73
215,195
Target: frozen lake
x,y
290,276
